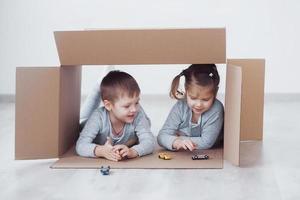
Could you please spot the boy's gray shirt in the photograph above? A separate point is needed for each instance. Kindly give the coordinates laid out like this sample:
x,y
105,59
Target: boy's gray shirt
x,y
98,128
208,132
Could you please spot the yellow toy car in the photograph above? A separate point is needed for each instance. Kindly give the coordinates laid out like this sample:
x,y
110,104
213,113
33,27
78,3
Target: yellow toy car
x,y
164,156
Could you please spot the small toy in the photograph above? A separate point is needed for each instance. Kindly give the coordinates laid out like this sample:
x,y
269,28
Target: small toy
x,y
200,157
105,170
164,156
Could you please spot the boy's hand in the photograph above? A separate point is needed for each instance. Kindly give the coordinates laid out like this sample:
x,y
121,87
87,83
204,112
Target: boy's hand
x,y
124,151
185,144
107,151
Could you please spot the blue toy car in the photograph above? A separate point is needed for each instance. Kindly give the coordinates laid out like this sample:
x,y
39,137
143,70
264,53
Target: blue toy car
x,y
105,170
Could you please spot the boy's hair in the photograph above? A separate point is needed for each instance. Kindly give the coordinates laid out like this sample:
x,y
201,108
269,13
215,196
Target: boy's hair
x,y
200,74
116,84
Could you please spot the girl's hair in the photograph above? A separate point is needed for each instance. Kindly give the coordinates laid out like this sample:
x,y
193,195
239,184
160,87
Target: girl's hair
x,y
200,74
117,83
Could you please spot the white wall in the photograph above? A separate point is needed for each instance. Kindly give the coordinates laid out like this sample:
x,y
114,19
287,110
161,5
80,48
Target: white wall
x,y
255,28
152,79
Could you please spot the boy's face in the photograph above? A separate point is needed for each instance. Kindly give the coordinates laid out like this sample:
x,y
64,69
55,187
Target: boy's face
x,y
200,98
124,109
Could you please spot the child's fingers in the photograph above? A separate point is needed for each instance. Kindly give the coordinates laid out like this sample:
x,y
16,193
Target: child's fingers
x,y
184,146
117,147
180,145
116,151
189,145
123,151
111,157
124,154
115,154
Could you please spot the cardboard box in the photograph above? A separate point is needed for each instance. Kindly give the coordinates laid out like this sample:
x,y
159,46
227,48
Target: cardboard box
x,y
48,99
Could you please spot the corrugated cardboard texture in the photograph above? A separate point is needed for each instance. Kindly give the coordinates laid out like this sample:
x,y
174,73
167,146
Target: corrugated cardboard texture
x,y
161,46
37,112
252,110
232,114
70,87
180,160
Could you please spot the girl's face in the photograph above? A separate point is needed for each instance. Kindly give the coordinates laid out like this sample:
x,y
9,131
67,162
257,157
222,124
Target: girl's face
x,y
124,109
200,98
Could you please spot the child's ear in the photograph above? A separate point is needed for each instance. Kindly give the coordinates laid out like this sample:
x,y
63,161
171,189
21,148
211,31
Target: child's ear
x,y
107,104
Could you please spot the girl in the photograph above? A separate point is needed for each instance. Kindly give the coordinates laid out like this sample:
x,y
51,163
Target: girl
x,y
196,120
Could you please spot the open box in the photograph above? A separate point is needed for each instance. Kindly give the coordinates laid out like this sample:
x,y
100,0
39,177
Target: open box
x,y
48,98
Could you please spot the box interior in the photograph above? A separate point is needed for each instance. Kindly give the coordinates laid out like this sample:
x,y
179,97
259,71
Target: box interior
x,y
56,112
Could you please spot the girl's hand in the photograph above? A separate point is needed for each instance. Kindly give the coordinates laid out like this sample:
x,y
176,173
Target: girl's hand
x,y
124,151
185,144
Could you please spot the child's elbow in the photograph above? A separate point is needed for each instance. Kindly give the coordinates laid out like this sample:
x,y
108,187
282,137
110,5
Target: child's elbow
x,y
159,138
79,149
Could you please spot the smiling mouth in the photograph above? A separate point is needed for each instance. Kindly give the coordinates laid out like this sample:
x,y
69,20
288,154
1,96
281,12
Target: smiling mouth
x,y
198,110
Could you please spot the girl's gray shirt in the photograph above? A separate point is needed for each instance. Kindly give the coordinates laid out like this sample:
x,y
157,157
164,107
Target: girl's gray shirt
x,y
207,132
98,128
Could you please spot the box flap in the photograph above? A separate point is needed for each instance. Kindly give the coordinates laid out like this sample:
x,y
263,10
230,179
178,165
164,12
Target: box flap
x,y
252,109
160,46
70,90
232,114
37,112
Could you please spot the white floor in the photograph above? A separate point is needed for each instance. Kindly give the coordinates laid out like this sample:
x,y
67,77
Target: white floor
x,y
270,169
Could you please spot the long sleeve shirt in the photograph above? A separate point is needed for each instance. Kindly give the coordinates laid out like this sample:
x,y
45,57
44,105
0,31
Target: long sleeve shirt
x,y
207,132
98,127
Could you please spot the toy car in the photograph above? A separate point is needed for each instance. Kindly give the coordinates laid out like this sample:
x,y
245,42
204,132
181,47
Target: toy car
x,y
164,156
105,170
200,157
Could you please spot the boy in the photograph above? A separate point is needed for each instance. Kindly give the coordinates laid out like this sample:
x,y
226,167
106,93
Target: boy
x,y
120,129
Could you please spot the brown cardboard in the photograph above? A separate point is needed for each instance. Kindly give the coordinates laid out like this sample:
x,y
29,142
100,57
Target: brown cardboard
x,y
37,111
70,94
47,111
232,114
252,110
54,125
161,46
180,160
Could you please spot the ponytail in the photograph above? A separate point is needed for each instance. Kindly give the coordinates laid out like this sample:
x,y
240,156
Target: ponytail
x,y
176,92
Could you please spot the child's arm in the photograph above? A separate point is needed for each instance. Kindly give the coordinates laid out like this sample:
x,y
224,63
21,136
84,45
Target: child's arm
x,y
143,131
167,134
84,145
91,102
210,131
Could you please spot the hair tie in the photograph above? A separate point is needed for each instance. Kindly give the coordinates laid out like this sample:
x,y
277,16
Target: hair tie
x,y
181,86
182,73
